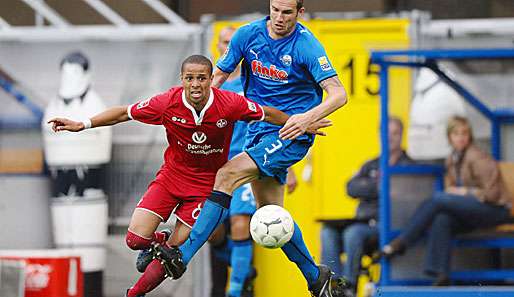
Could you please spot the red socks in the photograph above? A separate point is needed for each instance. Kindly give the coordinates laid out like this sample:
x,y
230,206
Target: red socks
x,y
137,242
153,276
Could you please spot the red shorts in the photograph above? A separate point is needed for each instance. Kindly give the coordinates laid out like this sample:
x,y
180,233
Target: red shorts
x,y
161,202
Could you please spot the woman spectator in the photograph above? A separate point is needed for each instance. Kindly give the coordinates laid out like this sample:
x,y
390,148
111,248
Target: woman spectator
x,y
474,197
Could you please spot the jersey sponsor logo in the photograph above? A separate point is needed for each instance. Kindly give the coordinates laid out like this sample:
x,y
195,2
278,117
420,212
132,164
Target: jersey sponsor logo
x,y
199,137
252,106
323,62
177,119
286,60
203,149
271,72
143,104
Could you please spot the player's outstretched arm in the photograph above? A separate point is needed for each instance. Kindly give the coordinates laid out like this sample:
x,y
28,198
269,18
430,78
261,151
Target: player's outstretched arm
x,y
336,98
219,78
274,116
109,117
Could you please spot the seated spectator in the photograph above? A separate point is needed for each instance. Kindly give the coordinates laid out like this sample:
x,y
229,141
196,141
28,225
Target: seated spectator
x,y
355,238
474,197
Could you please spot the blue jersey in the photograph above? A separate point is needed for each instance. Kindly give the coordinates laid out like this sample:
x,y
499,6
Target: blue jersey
x,y
240,127
283,73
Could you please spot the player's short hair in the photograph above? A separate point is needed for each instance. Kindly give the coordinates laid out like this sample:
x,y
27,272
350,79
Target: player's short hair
x,y
299,4
197,59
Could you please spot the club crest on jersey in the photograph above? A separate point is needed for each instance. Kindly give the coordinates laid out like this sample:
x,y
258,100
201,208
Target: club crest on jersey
x,y
144,103
286,60
252,107
271,72
199,137
221,123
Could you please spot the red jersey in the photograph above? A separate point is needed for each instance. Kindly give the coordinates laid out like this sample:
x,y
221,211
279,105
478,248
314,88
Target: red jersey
x,y
199,142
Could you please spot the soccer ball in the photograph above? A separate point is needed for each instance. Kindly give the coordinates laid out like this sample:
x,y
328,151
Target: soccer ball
x,y
271,226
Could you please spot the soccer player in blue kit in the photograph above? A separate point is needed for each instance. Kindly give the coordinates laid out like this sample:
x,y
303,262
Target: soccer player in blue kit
x,y
238,249
286,67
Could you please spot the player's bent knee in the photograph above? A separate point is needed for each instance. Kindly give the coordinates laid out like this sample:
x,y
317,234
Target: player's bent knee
x,y
240,228
137,242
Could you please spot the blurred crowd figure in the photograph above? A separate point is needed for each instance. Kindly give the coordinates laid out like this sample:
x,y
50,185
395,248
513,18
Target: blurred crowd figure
x,y
474,196
359,236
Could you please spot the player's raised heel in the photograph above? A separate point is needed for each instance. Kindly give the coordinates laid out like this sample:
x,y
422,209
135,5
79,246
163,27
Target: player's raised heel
x,y
326,287
171,260
145,257
322,287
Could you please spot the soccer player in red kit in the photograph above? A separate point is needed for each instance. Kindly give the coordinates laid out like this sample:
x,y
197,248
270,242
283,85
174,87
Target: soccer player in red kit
x,y
199,122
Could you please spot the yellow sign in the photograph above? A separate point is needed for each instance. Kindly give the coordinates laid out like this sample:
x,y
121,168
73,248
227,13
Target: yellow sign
x,y
352,140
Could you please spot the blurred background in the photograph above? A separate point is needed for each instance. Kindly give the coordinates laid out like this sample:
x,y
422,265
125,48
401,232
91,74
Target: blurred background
x,y
134,49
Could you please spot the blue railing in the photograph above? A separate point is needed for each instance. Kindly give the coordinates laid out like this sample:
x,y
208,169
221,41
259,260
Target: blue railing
x,y
427,59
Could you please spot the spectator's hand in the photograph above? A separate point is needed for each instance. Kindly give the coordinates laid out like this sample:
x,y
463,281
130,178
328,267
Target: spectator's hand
x,y
63,124
457,190
291,181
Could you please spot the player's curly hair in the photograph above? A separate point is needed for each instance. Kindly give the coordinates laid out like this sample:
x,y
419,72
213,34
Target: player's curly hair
x,y
197,59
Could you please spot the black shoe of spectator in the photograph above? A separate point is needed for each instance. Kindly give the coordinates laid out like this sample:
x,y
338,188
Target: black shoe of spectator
x,y
394,248
171,260
441,281
145,257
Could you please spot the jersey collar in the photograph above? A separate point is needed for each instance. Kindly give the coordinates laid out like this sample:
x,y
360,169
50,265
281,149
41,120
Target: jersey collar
x,y
198,118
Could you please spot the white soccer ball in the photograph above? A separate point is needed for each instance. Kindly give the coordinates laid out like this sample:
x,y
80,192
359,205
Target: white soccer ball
x,y
271,226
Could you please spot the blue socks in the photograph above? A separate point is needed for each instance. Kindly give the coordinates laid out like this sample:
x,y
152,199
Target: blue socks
x,y
224,252
214,212
241,262
297,252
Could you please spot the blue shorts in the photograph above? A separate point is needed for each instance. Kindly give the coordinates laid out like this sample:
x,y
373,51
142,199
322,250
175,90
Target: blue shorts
x,y
274,156
242,201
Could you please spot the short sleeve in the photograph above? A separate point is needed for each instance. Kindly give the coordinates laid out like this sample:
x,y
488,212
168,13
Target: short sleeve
x,y
247,110
234,53
317,62
149,111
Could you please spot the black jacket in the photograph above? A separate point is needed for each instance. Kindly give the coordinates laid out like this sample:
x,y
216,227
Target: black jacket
x,y
364,186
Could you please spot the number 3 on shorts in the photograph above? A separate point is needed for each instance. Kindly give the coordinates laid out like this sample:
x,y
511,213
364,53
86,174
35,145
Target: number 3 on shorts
x,y
274,147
